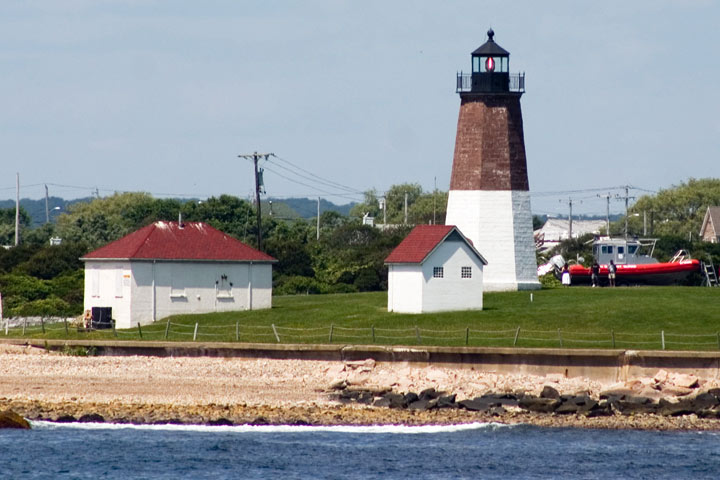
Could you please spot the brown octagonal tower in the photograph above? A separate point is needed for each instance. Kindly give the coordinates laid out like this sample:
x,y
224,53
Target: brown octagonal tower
x,y
489,198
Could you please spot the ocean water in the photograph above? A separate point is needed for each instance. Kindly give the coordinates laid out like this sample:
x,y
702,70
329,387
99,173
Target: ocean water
x,y
477,451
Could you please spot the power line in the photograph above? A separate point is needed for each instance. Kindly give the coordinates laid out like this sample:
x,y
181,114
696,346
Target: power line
x,y
318,177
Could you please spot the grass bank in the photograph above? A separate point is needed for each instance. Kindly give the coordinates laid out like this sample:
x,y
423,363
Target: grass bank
x,y
678,318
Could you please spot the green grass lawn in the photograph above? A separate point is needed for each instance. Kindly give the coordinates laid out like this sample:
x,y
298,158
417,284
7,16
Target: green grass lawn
x,y
578,317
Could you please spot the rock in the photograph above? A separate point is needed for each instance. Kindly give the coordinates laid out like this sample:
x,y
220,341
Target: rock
x,y
661,376
260,421
422,405
411,397
683,380
91,418
340,384
540,405
66,419
674,390
393,400
576,404
549,392
447,401
632,406
496,411
429,394
705,401
478,404
674,409
10,419
220,422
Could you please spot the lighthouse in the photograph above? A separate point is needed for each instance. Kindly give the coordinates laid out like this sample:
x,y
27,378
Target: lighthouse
x,y
489,199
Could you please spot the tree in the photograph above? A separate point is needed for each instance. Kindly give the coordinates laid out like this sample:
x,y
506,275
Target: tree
x,y
678,210
7,225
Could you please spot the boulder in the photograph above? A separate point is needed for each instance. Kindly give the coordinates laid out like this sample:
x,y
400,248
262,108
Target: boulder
x,y
540,405
91,418
392,400
66,419
411,397
631,407
10,419
478,404
549,392
220,422
575,404
674,409
429,394
683,380
422,404
447,401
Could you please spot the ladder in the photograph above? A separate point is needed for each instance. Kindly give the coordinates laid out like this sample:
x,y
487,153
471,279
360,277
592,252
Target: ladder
x,y
711,279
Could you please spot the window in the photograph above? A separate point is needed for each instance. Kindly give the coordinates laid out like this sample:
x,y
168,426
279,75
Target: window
x,y
465,272
437,272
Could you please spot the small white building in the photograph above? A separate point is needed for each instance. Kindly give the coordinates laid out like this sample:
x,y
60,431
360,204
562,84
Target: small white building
x,y
170,268
434,269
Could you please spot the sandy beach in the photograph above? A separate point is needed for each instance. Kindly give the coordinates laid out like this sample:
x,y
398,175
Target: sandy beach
x,y
44,385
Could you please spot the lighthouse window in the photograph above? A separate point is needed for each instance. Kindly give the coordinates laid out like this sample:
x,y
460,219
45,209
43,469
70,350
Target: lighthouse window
x,y
476,64
503,64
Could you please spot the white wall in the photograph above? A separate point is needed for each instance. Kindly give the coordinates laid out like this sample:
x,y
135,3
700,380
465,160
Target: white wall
x,y
181,287
452,292
405,288
499,223
109,284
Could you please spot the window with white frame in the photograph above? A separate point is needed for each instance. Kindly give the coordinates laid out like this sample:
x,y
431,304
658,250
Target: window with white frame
x,y
438,272
465,272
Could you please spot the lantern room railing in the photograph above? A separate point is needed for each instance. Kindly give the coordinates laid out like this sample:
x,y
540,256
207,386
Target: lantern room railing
x,y
516,82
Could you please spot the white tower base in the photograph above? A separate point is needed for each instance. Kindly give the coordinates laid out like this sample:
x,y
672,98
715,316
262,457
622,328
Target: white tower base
x,y
499,223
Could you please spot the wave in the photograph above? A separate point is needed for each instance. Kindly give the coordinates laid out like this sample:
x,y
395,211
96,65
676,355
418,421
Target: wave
x,y
396,429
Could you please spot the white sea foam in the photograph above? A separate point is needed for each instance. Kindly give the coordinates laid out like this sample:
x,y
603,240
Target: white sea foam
x,y
395,429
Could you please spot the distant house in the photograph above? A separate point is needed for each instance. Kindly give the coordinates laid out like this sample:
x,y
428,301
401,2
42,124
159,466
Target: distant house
x,y
556,230
170,268
435,268
710,230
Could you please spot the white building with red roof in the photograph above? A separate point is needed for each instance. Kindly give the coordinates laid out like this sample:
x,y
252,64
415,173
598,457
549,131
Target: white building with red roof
x,y
434,269
170,268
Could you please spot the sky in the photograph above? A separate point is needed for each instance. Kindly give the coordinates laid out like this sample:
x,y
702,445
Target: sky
x,y
162,96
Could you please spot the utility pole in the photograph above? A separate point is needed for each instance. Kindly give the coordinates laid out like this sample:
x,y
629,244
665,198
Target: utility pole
x,y
607,212
406,195
434,195
570,204
627,197
17,209
47,207
254,157
318,221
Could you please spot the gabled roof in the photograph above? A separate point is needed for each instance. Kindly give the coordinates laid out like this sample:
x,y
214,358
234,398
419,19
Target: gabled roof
x,y
423,240
712,217
171,241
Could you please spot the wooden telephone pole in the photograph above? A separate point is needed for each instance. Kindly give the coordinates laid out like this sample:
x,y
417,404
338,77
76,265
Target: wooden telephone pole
x,y
255,156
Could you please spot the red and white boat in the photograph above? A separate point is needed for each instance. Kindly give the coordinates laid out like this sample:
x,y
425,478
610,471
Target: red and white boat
x,y
635,263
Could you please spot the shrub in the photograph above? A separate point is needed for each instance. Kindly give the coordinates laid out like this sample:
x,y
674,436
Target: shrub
x,y
47,307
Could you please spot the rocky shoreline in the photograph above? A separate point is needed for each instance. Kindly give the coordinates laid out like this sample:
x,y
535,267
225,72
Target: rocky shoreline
x,y
209,391
152,414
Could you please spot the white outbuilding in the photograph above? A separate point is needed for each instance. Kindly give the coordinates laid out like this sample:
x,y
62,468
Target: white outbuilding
x,y
434,269
170,268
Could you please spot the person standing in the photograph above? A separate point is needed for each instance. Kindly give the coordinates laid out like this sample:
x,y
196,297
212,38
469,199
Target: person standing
x,y
565,277
612,269
595,274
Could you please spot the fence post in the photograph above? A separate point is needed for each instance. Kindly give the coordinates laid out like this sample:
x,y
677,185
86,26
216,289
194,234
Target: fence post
x,y
517,334
718,336
140,330
42,324
372,328
237,330
277,337
7,326
467,335
24,326
331,332
195,332
114,325
662,338
560,338
66,328
417,334
167,328
612,334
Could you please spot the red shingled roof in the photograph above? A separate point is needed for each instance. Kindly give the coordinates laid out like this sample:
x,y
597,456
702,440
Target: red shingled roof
x,y
169,241
421,241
